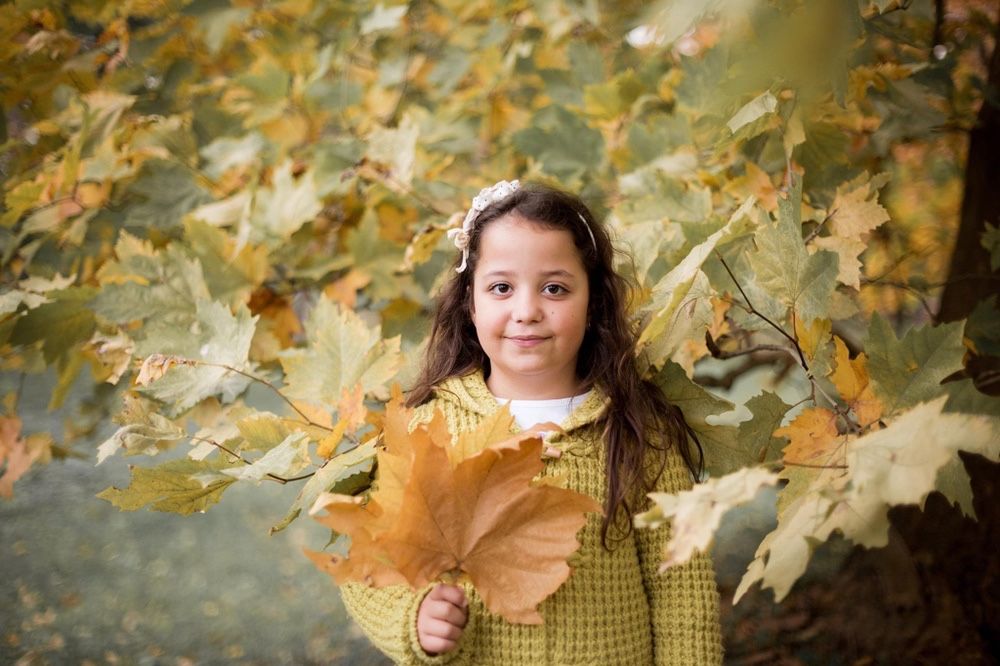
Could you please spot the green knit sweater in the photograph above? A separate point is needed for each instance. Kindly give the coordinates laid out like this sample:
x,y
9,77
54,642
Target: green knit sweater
x,y
615,608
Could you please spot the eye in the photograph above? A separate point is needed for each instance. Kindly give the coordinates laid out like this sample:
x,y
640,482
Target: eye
x,y
499,288
555,289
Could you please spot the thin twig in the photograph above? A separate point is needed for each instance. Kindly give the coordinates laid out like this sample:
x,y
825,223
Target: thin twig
x,y
749,350
790,463
905,287
798,349
266,383
272,477
819,227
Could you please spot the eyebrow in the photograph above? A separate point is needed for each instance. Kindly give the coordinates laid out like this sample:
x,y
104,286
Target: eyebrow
x,y
553,273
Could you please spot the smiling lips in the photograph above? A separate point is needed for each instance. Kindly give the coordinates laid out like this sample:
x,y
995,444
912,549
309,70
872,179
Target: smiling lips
x,y
527,340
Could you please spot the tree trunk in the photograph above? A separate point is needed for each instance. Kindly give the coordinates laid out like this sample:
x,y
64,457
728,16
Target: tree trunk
x,y
970,279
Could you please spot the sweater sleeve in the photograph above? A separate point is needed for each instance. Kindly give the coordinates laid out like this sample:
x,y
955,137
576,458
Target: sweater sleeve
x,y
388,617
683,600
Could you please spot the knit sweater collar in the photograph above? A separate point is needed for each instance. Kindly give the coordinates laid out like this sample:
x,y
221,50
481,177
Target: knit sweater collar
x,y
470,392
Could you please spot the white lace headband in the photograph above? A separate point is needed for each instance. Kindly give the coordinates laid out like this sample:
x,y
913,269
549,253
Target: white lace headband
x,y
487,196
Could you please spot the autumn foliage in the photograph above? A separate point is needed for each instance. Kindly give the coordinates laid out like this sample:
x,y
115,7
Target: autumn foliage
x,y
224,224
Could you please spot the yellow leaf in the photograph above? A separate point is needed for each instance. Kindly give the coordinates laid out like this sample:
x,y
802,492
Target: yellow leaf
x,y
814,335
315,413
848,250
813,436
851,379
856,211
328,444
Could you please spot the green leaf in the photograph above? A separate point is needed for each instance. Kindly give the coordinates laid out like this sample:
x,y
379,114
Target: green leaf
x,y
719,442
142,431
782,265
218,338
170,487
344,467
561,142
231,273
281,209
964,397
379,259
953,482
756,435
263,431
60,325
991,242
287,459
670,295
909,371
166,190
342,353
753,110
144,284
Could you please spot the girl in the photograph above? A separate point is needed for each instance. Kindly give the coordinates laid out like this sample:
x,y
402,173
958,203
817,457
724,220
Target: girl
x,y
536,316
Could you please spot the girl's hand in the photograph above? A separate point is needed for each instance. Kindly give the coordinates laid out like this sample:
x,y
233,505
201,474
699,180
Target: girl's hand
x,y
441,618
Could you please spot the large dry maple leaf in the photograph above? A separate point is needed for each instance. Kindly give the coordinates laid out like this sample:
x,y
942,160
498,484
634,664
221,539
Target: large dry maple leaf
x,y
436,513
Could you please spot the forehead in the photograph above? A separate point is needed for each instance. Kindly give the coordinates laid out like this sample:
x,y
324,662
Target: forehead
x,y
511,242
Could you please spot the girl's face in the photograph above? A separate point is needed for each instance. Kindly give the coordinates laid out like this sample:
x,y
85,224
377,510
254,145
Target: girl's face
x,y
529,307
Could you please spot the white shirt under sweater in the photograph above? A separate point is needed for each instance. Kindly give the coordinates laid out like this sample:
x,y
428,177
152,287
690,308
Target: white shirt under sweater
x,y
532,412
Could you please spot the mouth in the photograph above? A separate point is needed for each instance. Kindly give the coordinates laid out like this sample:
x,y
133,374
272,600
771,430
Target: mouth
x,y
527,340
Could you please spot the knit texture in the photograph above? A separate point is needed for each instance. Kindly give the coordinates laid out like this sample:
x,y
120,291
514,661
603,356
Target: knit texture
x,y
615,608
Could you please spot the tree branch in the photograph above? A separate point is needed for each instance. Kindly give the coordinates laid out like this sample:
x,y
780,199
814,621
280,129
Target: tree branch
x,y
271,477
798,349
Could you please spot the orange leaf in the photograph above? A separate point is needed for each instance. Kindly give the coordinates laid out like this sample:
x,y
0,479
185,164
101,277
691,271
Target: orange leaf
x,y
439,509
16,455
851,380
485,518
351,407
345,290
367,562
813,435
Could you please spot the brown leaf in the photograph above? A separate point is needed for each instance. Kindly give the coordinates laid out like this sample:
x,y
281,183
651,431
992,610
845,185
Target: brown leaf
x,y
440,510
485,518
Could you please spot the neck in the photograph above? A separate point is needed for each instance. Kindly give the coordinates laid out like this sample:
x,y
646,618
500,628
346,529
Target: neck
x,y
534,388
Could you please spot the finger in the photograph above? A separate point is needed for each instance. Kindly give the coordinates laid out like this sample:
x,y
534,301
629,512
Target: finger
x,y
446,611
551,452
442,629
450,593
433,645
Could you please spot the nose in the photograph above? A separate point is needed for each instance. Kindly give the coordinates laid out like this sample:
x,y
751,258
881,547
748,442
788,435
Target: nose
x,y
527,307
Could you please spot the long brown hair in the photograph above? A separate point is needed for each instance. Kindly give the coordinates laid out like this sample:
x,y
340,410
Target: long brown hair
x,y
639,420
